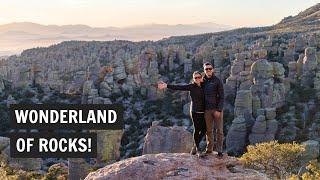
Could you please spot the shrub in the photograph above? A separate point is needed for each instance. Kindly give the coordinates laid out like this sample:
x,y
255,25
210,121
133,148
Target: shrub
x,y
313,172
8,173
57,172
276,160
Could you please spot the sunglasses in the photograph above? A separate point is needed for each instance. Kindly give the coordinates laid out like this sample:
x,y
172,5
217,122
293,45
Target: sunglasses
x,y
208,69
197,77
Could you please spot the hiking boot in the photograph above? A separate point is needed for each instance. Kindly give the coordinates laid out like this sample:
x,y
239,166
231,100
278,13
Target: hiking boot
x,y
200,154
220,155
193,150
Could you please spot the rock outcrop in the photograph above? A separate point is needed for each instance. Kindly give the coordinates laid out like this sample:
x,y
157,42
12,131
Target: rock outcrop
x,y
108,145
309,67
77,168
161,139
258,93
263,130
312,149
176,166
236,139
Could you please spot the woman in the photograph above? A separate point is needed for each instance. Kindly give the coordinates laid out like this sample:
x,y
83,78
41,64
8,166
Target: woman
x,y
196,107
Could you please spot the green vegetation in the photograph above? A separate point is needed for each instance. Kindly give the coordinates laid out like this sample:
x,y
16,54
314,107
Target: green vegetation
x,y
57,172
276,160
300,94
8,173
313,172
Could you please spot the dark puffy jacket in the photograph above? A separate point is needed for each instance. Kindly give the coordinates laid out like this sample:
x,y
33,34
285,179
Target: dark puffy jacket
x,y
196,94
213,93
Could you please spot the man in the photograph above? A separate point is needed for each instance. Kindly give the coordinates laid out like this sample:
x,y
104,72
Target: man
x,y
214,98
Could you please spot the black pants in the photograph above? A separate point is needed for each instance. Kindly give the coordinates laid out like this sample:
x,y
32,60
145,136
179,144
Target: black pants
x,y
199,126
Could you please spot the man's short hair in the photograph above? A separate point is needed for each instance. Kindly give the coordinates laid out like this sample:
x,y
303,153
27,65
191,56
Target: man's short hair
x,y
208,64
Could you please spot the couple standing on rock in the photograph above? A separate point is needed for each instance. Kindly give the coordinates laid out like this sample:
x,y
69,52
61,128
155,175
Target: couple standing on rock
x,y
207,97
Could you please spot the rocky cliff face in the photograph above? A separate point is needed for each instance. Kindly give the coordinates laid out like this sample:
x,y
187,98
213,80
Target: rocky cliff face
x,y
176,166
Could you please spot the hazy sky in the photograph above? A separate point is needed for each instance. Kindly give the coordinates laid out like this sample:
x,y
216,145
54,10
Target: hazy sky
x,y
102,13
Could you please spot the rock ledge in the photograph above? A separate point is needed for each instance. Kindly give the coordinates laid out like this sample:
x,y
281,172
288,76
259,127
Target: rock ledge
x,y
176,166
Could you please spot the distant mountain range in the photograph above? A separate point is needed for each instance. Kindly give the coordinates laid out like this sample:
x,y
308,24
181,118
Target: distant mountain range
x,y
15,37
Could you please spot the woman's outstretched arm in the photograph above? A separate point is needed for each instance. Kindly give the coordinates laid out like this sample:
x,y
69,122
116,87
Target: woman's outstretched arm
x,y
186,87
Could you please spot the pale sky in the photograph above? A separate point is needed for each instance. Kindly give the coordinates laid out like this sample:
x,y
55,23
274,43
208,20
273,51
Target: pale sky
x,y
120,13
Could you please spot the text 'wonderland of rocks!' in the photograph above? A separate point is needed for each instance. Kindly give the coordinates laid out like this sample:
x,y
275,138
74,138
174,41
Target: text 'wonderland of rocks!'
x,y
60,130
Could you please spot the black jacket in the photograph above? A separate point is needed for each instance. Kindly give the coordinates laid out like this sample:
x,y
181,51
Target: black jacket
x,y
213,93
196,94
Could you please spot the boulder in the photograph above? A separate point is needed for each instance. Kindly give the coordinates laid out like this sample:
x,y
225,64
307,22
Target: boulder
x,y
300,65
264,90
4,142
248,64
315,128
186,109
316,84
261,112
176,166
243,103
241,56
87,87
278,95
161,139
278,70
218,57
292,66
312,41
260,131
132,65
187,67
299,43
311,150
270,113
261,70
237,136
260,125
105,89
78,168
237,66
260,54
272,126
256,105
310,63
2,86
119,73
108,148
231,85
